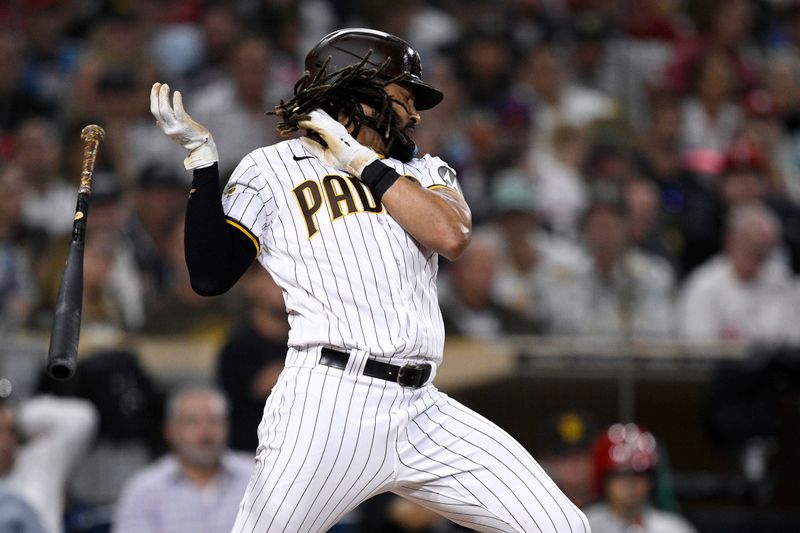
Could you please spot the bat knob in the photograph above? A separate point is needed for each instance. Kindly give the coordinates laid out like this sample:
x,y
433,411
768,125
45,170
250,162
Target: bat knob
x,y
93,133
61,368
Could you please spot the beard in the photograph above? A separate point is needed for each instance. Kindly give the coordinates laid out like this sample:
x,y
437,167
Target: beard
x,y
402,147
399,144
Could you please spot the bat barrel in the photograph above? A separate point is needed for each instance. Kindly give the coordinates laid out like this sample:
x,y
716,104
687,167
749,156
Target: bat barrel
x,y
63,352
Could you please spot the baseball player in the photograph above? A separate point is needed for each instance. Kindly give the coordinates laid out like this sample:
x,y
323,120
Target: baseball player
x,y
625,461
350,222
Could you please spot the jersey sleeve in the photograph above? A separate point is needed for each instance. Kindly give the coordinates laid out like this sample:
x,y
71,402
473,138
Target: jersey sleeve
x,y
247,200
436,173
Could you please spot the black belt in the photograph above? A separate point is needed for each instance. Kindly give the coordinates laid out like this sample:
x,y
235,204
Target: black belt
x,y
411,375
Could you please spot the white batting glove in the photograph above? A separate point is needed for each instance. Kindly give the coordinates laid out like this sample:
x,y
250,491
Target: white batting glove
x,y
181,128
343,152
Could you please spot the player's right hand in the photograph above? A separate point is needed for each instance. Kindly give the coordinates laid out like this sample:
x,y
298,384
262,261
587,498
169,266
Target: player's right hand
x,y
181,128
343,151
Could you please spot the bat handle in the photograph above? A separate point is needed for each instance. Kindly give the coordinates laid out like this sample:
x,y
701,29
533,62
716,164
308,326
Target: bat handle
x,y
91,136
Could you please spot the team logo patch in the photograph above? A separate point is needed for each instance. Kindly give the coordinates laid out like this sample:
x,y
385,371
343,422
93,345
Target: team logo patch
x,y
448,175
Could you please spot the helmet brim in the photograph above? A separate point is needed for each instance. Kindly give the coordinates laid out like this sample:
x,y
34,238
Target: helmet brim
x,y
425,96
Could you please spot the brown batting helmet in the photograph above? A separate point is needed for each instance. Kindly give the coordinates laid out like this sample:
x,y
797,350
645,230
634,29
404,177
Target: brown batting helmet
x,y
350,46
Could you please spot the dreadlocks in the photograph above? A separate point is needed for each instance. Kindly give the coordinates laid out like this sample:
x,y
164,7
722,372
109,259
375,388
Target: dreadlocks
x,y
341,93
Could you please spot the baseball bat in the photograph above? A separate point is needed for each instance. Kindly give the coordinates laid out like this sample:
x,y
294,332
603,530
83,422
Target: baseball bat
x,y
63,352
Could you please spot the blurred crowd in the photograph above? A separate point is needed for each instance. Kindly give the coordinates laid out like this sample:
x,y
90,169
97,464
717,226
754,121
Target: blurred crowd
x,y
632,166
59,474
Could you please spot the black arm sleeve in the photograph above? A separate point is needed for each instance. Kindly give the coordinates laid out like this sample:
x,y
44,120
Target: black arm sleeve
x,y
217,253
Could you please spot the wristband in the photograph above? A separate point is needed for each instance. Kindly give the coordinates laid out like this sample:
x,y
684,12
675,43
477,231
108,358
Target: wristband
x,y
378,177
203,156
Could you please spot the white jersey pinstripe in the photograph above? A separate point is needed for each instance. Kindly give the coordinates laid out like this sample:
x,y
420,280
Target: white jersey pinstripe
x,y
330,438
357,281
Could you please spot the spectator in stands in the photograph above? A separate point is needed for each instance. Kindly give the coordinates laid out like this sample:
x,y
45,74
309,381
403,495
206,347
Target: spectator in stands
x,y
636,43
16,515
558,101
532,264
196,487
48,201
292,28
484,66
623,292
566,455
777,107
236,105
721,25
118,105
625,459
468,305
179,310
430,27
561,192
657,145
688,198
748,177
158,196
591,35
107,302
52,56
490,143
18,288
116,43
130,405
609,159
41,441
121,285
220,27
16,103
252,358
710,116
647,226
747,293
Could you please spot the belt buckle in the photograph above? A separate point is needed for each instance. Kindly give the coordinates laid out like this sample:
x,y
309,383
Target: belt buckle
x,y
405,372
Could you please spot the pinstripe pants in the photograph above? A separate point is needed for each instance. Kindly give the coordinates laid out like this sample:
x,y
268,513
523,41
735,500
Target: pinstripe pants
x,y
332,438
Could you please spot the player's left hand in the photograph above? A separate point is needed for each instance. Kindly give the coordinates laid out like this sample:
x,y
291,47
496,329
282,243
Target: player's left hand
x,y
181,128
343,151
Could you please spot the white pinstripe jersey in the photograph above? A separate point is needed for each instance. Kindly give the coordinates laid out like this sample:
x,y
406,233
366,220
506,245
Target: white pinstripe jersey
x,y
351,276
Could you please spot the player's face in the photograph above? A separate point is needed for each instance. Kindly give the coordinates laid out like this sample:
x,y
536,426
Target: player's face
x,y
403,106
749,252
404,111
606,234
628,491
198,429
